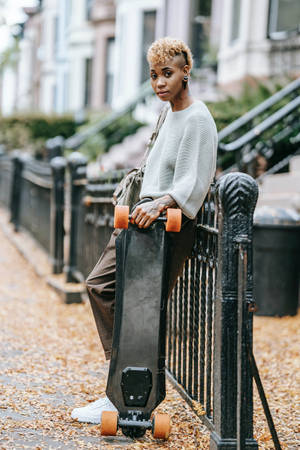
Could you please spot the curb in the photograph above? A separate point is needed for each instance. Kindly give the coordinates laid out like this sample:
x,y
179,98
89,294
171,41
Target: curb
x,y
40,261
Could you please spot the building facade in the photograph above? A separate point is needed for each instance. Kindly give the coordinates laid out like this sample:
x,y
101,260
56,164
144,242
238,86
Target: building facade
x,y
259,38
103,68
47,54
29,65
62,21
80,49
90,54
136,28
61,58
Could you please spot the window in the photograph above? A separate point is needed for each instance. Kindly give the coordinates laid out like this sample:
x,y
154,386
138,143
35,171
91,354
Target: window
x,y
56,34
284,18
200,30
54,98
88,82
235,20
88,8
109,76
66,91
149,22
68,12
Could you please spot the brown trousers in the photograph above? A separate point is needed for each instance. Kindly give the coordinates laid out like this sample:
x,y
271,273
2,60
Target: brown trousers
x,y
101,283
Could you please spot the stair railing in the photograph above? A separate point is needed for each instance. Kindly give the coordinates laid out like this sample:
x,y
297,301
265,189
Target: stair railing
x,y
291,89
273,137
75,141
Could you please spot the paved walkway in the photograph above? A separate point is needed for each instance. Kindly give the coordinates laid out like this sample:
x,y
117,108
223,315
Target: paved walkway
x,y
51,361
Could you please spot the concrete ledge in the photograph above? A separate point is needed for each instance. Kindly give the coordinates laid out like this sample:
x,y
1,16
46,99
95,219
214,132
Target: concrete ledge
x,y
295,165
281,183
283,200
40,261
69,292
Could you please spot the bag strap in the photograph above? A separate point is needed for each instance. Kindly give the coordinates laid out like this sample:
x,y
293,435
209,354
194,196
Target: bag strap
x,y
161,118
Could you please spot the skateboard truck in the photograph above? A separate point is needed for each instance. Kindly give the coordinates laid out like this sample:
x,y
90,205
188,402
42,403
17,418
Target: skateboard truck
x,y
134,425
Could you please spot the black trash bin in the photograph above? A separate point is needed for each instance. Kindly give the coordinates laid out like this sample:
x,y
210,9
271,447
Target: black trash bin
x,y
276,261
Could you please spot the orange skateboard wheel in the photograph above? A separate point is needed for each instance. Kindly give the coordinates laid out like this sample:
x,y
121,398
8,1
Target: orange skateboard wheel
x,y
121,216
109,423
174,218
161,426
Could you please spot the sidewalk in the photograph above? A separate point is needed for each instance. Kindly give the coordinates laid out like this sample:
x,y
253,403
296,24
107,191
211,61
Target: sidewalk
x,y
51,361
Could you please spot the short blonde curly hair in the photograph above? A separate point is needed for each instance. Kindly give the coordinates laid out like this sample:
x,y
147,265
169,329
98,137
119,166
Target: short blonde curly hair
x,y
165,48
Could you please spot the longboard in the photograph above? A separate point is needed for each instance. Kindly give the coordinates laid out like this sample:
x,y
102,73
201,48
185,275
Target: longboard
x,y
136,380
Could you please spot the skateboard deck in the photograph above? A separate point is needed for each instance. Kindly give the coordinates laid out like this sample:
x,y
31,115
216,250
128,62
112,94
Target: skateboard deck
x,y
136,381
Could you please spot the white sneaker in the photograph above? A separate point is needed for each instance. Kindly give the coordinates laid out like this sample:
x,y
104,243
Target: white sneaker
x,y
92,412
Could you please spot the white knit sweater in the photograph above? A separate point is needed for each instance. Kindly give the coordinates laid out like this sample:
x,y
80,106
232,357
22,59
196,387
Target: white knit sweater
x,y
182,161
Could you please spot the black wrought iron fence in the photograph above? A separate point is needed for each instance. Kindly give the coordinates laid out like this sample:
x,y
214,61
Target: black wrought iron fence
x,y
35,201
6,174
33,192
77,182
206,356
209,314
91,217
97,220
190,315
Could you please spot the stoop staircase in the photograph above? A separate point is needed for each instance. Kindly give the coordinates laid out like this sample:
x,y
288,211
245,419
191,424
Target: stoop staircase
x,y
265,143
282,189
128,153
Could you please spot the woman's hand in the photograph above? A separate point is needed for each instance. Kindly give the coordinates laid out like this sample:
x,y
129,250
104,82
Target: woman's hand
x,y
145,213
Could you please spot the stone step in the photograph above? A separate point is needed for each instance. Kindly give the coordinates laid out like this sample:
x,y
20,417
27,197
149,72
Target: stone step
x,y
295,164
282,200
281,182
128,153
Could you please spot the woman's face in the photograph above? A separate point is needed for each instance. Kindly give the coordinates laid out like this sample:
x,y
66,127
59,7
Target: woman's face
x,y
166,79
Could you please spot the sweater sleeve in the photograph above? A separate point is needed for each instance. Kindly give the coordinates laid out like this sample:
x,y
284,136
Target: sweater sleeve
x,y
195,165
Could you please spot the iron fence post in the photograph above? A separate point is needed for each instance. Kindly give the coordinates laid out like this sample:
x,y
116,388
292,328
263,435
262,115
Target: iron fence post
x,y
76,161
15,192
237,196
58,166
54,147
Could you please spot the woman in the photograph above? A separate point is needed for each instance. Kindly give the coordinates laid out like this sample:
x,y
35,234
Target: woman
x,y
178,173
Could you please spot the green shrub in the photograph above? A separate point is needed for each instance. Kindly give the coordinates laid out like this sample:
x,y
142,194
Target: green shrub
x,y
14,135
231,108
111,135
32,130
93,147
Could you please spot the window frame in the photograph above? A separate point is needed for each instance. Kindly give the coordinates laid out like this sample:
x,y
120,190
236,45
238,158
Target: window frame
x,y
144,64
88,71
109,76
272,33
233,38
199,40
88,9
